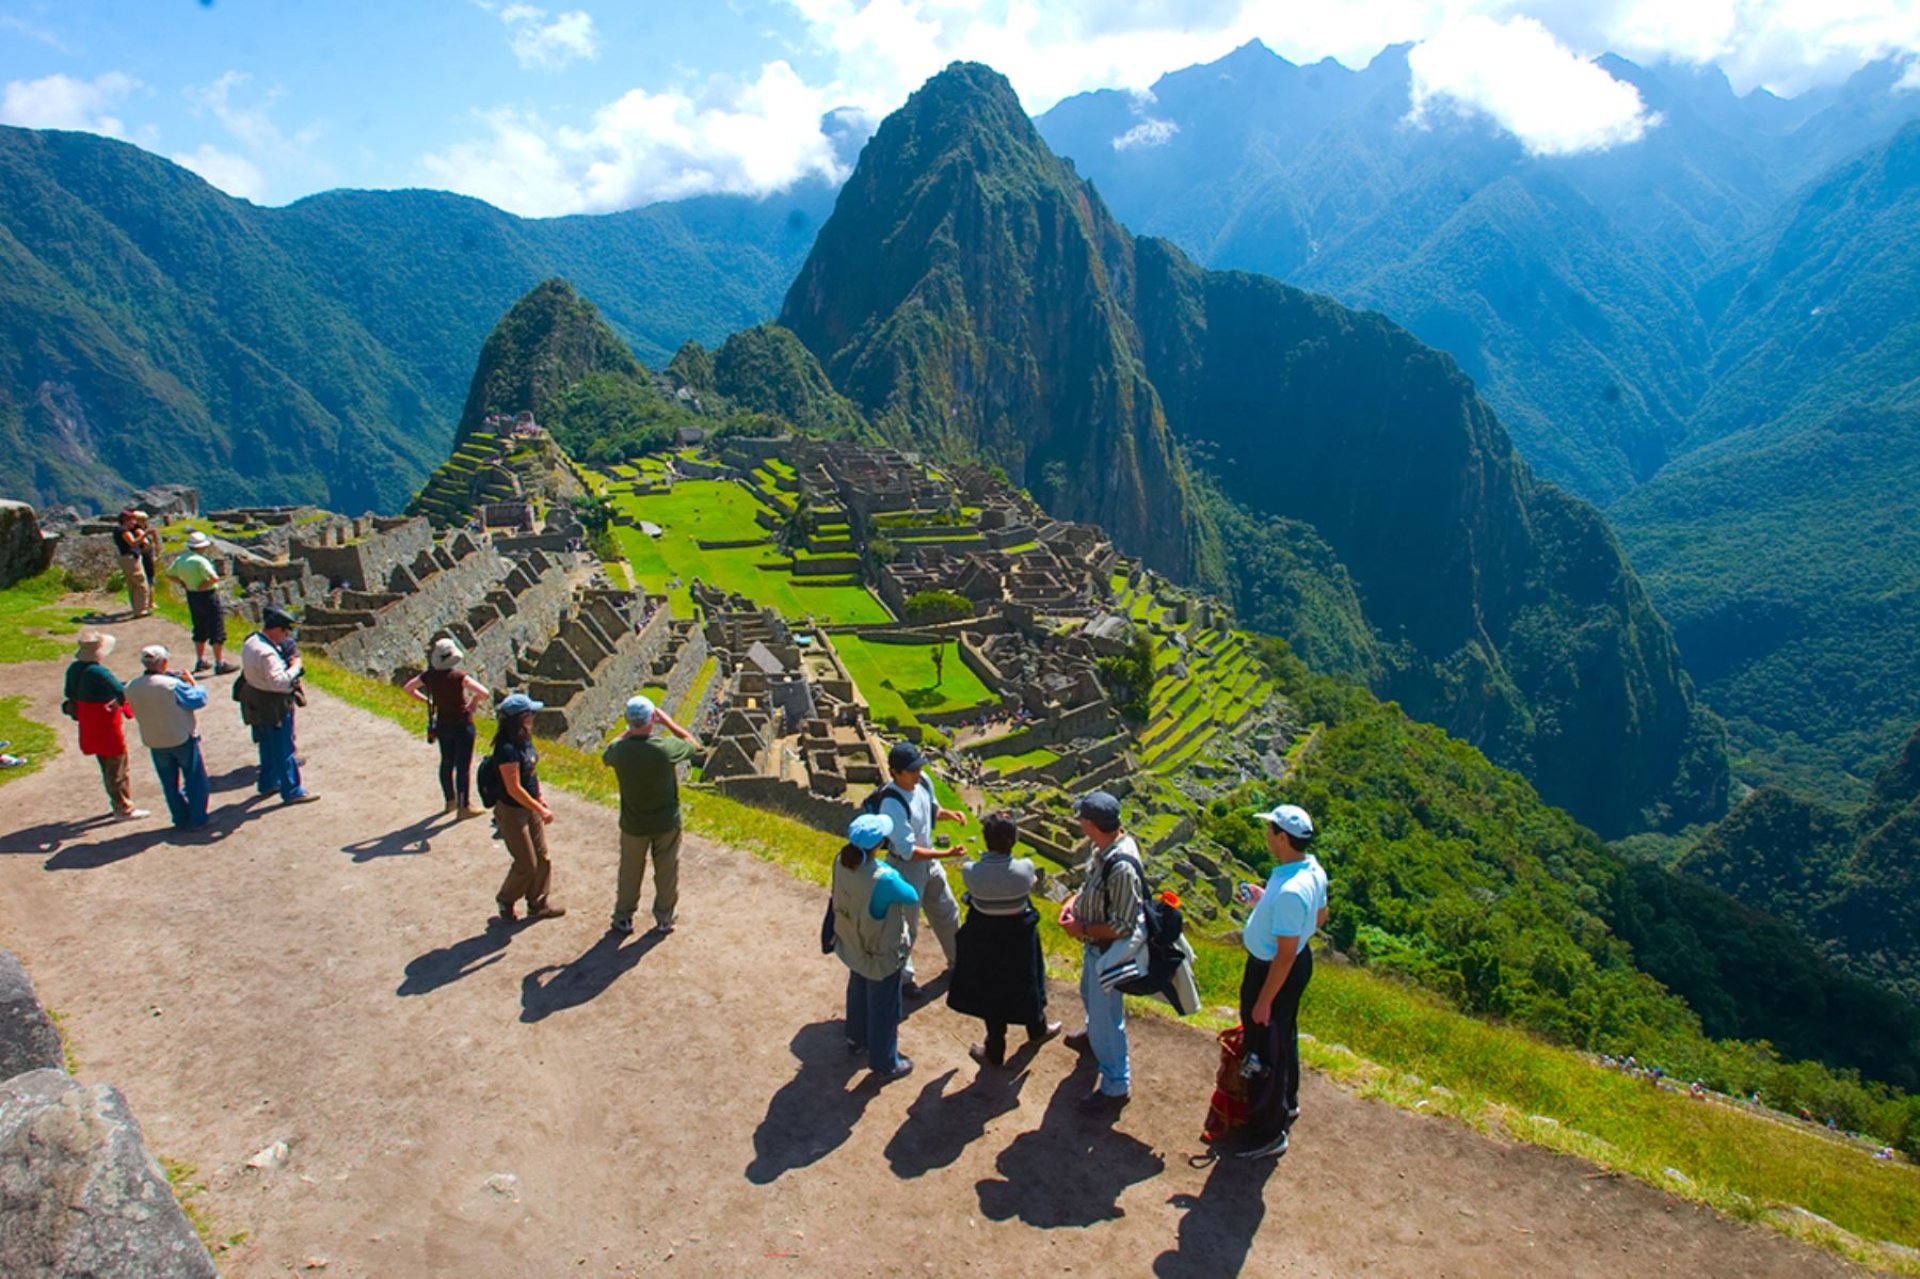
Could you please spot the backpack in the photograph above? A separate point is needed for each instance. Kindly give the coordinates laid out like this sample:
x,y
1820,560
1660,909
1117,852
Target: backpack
x,y
872,803
1227,1110
486,782
1165,924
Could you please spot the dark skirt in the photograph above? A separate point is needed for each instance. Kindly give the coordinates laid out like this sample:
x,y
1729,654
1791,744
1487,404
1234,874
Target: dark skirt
x,y
999,973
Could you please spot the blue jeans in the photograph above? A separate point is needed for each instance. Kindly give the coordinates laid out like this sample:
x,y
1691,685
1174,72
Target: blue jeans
x,y
1106,1027
278,772
183,780
873,1019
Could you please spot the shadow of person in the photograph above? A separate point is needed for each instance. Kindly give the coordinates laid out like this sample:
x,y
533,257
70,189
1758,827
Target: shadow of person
x,y
241,775
814,1112
1218,1225
48,837
939,1129
555,987
1071,1170
105,852
445,965
408,841
931,992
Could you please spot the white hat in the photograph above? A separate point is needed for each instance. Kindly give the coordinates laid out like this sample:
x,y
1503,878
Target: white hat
x,y
93,646
639,711
154,656
446,654
1292,819
199,541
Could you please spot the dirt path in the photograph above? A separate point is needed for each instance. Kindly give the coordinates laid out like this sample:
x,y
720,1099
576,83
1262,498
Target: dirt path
x,y
464,1101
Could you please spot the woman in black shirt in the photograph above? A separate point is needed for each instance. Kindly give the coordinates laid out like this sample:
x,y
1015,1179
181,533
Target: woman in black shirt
x,y
521,814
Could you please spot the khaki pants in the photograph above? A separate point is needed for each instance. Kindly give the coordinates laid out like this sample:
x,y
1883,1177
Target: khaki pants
x,y
139,590
664,848
119,782
531,875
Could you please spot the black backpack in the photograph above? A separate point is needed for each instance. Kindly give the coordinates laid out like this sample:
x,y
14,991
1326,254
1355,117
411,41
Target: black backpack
x,y
872,803
486,782
1165,923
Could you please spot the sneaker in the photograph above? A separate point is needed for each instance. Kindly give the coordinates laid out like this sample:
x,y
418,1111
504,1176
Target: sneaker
x,y
901,1069
466,813
1101,1103
202,666
979,1053
545,911
132,814
450,806
12,761
620,924
1079,1041
225,668
304,797
1052,1030
1267,1150
662,928
503,914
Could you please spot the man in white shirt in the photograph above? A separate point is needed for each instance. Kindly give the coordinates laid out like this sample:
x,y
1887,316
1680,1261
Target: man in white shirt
x,y
1286,914
166,706
910,801
271,687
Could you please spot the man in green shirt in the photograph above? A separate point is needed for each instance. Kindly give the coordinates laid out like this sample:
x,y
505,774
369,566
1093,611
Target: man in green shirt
x,y
194,570
648,766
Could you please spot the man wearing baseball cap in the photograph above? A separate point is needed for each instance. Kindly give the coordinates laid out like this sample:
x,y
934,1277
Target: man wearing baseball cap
x,y
166,707
871,904
1109,907
195,572
909,800
647,762
1286,914
270,689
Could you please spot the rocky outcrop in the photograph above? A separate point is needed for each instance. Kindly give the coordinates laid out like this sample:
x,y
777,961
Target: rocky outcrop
x,y
28,1039
23,551
79,1194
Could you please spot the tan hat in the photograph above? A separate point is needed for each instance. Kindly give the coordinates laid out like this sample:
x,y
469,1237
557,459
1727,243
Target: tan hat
x,y
199,541
446,654
94,646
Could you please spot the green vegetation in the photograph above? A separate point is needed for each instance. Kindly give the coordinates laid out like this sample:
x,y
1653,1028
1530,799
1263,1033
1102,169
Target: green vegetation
x,y
722,511
899,681
1129,678
937,606
766,369
28,610
1035,757
29,739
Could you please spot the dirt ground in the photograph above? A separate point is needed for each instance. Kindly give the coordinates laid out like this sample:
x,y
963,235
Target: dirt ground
x,y
553,1100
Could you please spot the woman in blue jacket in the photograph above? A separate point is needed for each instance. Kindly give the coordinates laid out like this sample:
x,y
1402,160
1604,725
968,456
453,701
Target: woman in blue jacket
x,y
871,905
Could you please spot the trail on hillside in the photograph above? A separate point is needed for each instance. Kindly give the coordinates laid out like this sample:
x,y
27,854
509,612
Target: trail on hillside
x,y
552,1099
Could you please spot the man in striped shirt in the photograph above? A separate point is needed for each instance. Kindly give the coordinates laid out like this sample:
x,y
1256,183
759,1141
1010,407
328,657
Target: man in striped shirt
x,y
1109,908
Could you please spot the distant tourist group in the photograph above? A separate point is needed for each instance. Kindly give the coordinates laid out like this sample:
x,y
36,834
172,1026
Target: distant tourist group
x,y
889,873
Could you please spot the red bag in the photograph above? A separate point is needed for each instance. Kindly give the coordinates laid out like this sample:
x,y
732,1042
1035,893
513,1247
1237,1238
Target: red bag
x,y
1227,1113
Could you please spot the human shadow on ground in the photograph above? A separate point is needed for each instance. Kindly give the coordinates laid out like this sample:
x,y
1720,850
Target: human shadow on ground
x,y
238,777
931,993
553,988
409,841
1071,1170
813,1114
445,965
939,1129
48,837
1218,1225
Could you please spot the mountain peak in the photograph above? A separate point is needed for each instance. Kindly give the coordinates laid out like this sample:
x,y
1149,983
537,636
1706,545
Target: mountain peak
x,y
547,341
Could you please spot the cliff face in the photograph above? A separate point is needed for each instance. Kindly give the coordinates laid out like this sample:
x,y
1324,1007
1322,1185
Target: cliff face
x,y
970,294
975,297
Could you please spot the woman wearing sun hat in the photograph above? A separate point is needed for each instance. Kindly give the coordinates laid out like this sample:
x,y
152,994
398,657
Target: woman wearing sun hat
x,y
521,814
98,702
453,694
871,903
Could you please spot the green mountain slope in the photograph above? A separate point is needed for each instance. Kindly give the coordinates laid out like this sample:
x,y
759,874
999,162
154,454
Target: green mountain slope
x,y
973,295
155,329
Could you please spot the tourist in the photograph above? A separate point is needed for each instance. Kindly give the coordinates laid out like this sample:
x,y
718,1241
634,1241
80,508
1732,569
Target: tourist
x,y
872,904
196,574
1286,914
131,543
521,814
270,690
1110,907
647,763
909,799
452,694
166,706
999,975
98,702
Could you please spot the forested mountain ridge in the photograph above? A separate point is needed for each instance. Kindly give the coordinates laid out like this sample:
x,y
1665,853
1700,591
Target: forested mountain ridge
x,y
153,327
973,295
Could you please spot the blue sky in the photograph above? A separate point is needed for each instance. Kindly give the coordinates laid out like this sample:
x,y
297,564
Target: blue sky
x,y
580,107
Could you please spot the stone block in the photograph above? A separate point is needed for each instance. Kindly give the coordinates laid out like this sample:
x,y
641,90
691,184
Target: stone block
x,y
23,551
28,1039
79,1193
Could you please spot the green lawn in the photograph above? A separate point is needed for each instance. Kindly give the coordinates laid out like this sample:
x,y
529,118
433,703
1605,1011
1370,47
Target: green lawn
x,y
897,679
29,739
722,511
1038,757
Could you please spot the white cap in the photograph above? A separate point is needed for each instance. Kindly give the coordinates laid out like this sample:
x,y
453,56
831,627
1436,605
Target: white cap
x,y
1292,819
154,656
199,541
639,711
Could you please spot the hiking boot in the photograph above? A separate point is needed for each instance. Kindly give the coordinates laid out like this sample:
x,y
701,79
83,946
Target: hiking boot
x,y
662,927
1102,1103
225,668
1053,1029
545,910
202,666
622,924
465,813
503,914
1267,1150
1079,1041
451,806
980,1054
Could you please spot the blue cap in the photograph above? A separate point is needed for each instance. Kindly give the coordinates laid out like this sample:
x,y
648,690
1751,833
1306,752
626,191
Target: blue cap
x,y
905,757
639,711
1100,808
520,704
869,829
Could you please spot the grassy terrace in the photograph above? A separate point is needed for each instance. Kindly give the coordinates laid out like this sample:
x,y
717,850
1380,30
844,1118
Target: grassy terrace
x,y
1038,757
722,511
1217,693
898,683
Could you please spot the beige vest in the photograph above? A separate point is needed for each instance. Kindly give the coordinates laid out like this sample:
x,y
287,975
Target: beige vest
x,y
874,948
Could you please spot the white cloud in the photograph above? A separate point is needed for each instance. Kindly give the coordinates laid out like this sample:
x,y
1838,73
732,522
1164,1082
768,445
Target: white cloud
x,y
231,173
62,102
1911,80
1148,133
1516,73
735,138
549,43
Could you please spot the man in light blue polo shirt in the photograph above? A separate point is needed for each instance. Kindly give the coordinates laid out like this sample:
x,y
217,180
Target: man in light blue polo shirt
x,y
1286,914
